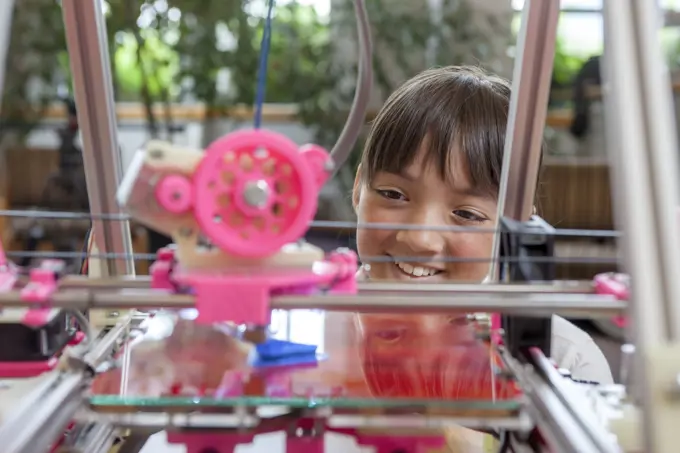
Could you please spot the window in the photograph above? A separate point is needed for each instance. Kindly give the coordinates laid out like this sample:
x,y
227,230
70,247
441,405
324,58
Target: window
x,y
299,326
580,26
590,5
322,7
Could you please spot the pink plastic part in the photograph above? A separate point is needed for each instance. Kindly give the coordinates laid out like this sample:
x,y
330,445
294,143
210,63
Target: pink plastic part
x,y
285,185
247,299
175,194
39,290
244,298
612,284
304,443
36,318
207,441
616,285
279,385
496,337
77,339
42,283
319,161
225,442
26,369
311,444
407,444
620,321
348,265
161,270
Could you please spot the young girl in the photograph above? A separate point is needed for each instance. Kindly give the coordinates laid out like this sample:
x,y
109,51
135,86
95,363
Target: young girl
x,y
434,157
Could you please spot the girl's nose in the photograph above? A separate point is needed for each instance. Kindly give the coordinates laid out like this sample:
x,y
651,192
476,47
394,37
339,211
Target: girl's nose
x,y
421,238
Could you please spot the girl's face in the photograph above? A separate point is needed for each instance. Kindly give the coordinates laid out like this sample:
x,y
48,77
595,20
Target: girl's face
x,y
418,196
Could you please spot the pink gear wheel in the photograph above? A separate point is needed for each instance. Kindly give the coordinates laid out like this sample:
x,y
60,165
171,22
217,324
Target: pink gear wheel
x,y
173,193
254,192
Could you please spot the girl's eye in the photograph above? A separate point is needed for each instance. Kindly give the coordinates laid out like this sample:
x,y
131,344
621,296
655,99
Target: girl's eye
x,y
391,194
468,216
390,336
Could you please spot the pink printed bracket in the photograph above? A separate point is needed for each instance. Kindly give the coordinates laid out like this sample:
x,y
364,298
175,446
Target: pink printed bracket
x,y
254,192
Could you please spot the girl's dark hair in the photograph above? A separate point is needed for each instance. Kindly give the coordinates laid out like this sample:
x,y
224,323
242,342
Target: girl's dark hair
x,y
455,107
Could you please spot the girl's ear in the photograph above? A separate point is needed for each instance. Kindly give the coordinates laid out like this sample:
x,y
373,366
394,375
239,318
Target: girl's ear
x,y
356,190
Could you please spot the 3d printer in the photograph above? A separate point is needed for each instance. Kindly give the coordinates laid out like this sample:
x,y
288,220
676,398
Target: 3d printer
x,y
179,355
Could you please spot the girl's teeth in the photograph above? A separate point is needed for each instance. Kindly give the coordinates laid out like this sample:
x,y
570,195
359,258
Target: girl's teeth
x,y
416,271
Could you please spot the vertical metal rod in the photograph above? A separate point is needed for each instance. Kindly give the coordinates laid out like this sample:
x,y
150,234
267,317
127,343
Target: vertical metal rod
x,y
642,147
662,145
6,15
535,53
90,67
630,146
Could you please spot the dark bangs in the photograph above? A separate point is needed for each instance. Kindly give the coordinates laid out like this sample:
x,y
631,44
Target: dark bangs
x,y
449,106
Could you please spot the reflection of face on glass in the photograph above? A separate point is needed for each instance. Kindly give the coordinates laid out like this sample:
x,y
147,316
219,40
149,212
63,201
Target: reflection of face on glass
x,y
426,356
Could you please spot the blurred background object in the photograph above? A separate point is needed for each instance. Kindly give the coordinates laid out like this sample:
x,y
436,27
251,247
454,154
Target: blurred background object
x,y
184,70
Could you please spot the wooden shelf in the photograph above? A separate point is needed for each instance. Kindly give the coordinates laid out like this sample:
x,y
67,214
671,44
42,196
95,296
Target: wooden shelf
x,y
275,113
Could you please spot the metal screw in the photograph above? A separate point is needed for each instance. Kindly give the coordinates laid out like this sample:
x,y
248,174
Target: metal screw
x,y
627,364
256,193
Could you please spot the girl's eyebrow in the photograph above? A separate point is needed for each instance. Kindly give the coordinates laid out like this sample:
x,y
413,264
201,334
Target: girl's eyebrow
x,y
406,174
470,191
460,189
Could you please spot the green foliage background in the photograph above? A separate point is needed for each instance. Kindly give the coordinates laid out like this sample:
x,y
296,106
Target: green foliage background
x,y
168,51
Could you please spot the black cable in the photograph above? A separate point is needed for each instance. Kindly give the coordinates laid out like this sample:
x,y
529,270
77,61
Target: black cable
x,y
84,250
505,444
491,433
583,381
31,245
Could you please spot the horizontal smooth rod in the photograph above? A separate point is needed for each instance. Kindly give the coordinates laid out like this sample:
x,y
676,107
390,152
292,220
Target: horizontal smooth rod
x,y
386,301
561,286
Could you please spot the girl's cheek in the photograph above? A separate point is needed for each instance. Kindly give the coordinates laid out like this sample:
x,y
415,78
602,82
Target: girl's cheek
x,y
476,246
471,245
374,212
